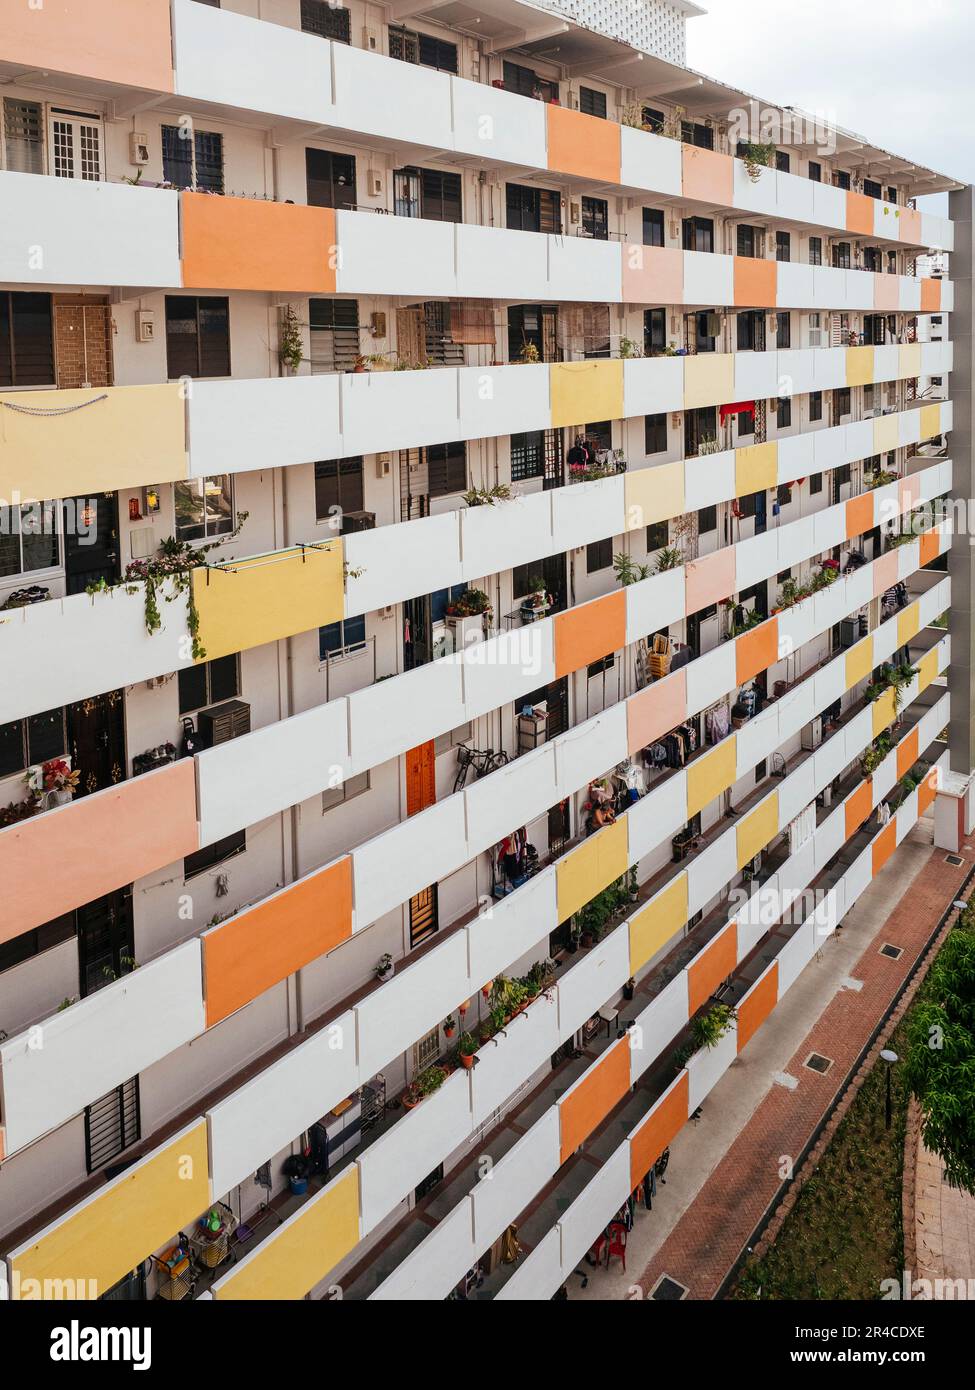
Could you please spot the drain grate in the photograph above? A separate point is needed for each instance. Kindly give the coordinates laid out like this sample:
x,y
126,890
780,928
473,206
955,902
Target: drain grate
x,y
955,859
668,1290
891,952
817,1062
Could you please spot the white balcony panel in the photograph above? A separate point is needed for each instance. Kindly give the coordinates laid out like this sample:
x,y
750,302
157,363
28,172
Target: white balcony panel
x,y
859,436
908,559
508,929
796,370
860,290
507,1062
87,232
829,760
884,778
829,368
584,510
397,410
710,872
654,603
830,529
828,684
513,795
886,220
857,734
830,605
402,561
539,1276
830,448
394,1165
859,588
757,558
657,1026
592,980
759,195
228,59
431,1271
796,539
756,739
906,816
858,876
910,293
829,205
421,703
796,285
796,628
505,667
493,263
594,1208
831,835
388,869
756,375
241,782
374,96
591,749
50,1074
947,296
710,677
515,1179
794,197
238,426
706,1068
656,816
797,953
709,279
583,269
937,232
909,426
710,478
796,457
796,708
793,878
796,792
498,125
391,1018
273,1108
395,255
652,385
884,642
754,918
830,287
886,362
648,161
495,401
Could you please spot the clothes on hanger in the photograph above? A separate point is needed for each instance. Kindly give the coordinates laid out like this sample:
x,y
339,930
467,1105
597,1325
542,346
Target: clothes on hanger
x,y
717,723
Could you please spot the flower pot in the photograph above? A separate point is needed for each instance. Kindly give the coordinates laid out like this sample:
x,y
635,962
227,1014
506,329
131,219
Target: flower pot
x,y
62,796
410,1102
449,1032
467,1062
586,939
486,989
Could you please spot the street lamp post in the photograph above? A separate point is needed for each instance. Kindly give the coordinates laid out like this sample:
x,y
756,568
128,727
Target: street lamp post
x,y
890,1057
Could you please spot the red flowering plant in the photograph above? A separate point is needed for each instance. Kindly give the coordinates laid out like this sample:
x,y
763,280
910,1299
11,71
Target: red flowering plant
x,y
59,777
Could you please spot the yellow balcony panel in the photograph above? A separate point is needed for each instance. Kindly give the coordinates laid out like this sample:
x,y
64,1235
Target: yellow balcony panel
x,y
930,421
859,662
859,366
590,868
106,439
927,669
657,922
585,391
908,624
756,468
246,603
757,829
886,434
709,379
299,1254
99,1241
710,776
884,712
654,494
909,360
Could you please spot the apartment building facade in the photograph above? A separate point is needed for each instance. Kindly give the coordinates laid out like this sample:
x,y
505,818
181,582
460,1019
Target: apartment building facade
x,y
474,580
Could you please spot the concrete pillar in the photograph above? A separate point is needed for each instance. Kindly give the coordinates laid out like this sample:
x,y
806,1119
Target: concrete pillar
x,y
961,560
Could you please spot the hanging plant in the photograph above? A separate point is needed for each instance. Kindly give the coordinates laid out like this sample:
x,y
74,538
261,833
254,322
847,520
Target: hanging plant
x,y
291,349
487,497
756,156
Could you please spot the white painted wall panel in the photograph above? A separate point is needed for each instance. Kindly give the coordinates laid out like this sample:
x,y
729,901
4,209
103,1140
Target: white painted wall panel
x,y
657,816
830,837
595,1207
795,285
391,1018
540,1275
794,197
654,603
708,278
420,703
593,980
796,458
756,374
514,1180
796,954
511,927
706,1068
591,749
498,125
582,269
653,384
859,876
710,871
523,789
709,479
584,510
396,410
390,868
829,205
505,667
795,792
430,1272
402,561
506,1063
648,161
493,263
376,95
657,1026
237,426
498,538
755,559
710,676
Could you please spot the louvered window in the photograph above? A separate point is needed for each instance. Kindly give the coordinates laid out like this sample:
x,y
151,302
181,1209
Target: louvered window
x,y
23,136
327,20
334,331
26,339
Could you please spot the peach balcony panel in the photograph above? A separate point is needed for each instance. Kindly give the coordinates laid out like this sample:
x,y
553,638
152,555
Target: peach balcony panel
x,y
860,214
247,244
756,282
584,634
707,177
930,296
909,226
886,293
655,710
653,274
710,579
583,145
714,964
588,1103
128,43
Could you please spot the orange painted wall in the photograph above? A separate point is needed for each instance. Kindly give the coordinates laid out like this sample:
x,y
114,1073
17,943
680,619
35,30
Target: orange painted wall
x,y
885,571
860,213
756,650
588,1104
755,1008
859,515
930,546
884,846
124,41
245,244
907,753
927,791
585,634
909,226
653,274
756,282
930,296
664,1122
707,177
583,145
263,945
711,967
70,856
656,710
857,808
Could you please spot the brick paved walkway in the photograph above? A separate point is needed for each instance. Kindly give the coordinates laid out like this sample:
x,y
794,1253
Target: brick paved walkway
x,y
945,1219
707,1240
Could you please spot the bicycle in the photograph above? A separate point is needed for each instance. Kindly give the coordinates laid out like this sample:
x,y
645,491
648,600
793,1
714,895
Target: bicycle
x,y
483,761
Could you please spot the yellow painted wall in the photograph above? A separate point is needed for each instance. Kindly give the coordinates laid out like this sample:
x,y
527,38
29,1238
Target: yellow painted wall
x,y
883,712
135,436
930,421
654,925
582,392
710,776
300,1253
859,366
653,494
927,669
909,360
709,379
249,602
757,829
886,433
588,869
859,662
908,623
107,1235
756,468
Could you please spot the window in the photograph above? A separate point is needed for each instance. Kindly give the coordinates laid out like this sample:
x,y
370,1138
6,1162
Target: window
x,y
655,119
783,331
28,538
655,433
815,250
707,520
351,787
700,135
597,668
427,193
327,19
33,943
872,259
595,218
698,234
333,326
36,739
208,858
411,47
192,158
658,536
841,179
653,227
527,83
532,209
446,468
591,102
746,422
749,330
783,246
204,507
330,179
872,189
782,161
654,331
209,683
815,405
197,336
443,743
338,489
841,402
599,555
784,413
527,456
842,258
342,638
815,484
815,171
749,241
23,136
600,433
26,339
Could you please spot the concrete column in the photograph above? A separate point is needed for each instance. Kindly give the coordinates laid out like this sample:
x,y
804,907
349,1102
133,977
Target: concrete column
x,y
961,560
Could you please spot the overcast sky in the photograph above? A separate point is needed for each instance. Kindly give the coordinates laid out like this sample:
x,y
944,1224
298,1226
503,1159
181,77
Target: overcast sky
x,y
897,71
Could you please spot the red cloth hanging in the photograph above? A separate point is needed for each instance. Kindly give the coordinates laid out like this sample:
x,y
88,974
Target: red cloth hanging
x,y
739,408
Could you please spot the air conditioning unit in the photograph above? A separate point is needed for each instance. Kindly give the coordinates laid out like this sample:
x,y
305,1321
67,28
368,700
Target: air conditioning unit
x,y
812,733
138,149
358,521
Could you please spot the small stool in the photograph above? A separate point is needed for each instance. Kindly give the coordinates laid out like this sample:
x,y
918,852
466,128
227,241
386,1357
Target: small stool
x,y
609,1017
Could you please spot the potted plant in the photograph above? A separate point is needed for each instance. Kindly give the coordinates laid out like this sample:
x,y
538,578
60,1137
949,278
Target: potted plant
x,y
60,780
383,969
462,1008
629,989
297,1169
449,1026
466,1048
486,989
529,353
360,364
291,348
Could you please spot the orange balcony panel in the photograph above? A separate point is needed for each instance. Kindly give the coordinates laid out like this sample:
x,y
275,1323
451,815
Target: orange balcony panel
x,y
655,710
930,296
908,492
860,214
583,145
710,579
707,177
884,846
756,282
245,244
909,226
653,274
263,945
585,634
928,790
80,852
659,1129
713,965
586,1105
756,1006
907,753
756,650
886,293
129,44
885,572
930,546
859,515
857,807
